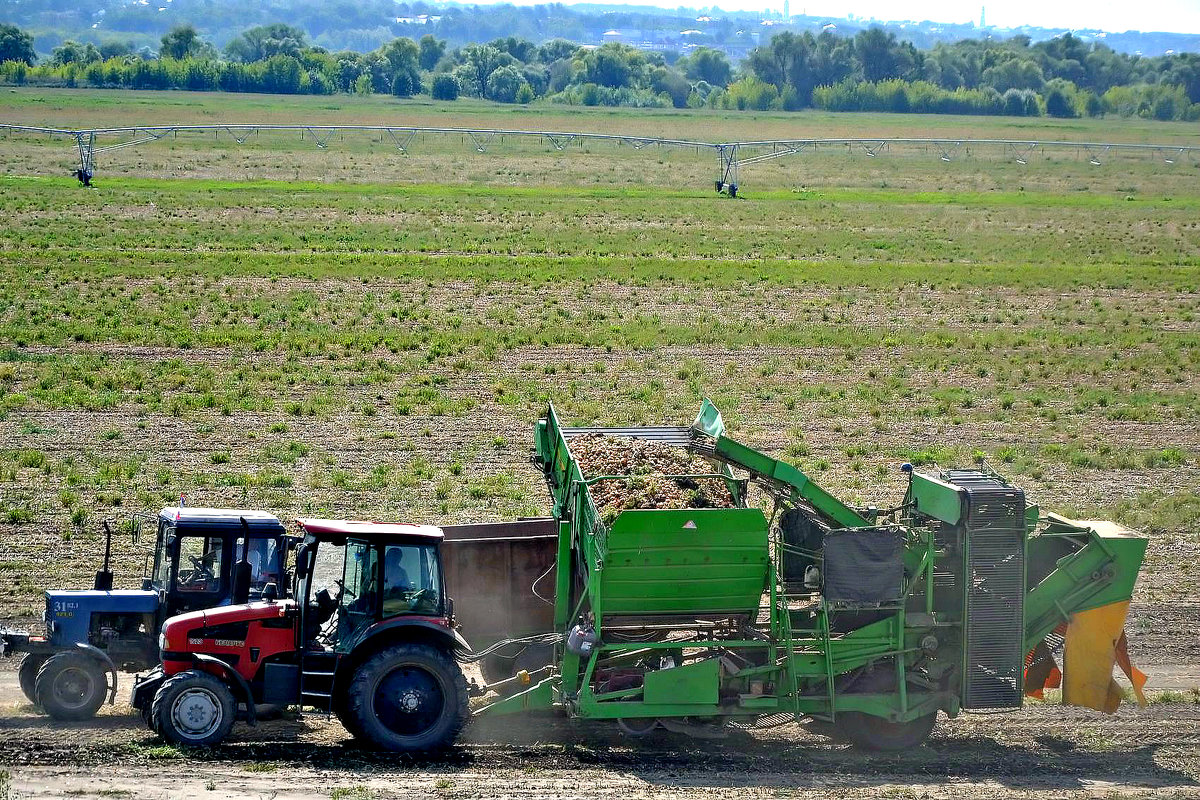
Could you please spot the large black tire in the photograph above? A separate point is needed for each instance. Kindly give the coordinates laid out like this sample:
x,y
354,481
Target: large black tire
x,y
27,675
193,708
869,732
341,710
408,698
147,713
71,686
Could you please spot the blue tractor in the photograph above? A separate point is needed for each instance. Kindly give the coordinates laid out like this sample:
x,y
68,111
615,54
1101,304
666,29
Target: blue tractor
x,y
202,558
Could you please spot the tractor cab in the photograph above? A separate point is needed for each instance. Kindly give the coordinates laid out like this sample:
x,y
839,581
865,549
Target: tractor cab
x,y
196,551
367,576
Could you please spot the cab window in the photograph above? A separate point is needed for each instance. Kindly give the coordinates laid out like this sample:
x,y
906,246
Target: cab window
x,y
162,559
411,584
263,556
201,562
360,590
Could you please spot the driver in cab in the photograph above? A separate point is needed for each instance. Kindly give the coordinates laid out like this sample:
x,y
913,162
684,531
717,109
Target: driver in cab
x,y
395,578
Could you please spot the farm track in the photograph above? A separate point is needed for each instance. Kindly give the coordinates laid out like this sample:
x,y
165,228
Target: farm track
x,y
348,333
1040,752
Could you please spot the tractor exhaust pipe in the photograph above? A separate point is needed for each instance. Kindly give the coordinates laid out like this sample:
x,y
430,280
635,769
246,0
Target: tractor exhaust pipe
x,y
241,569
104,576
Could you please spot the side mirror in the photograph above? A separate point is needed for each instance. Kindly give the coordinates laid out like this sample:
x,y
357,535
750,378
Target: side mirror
x,y
302,561
173,545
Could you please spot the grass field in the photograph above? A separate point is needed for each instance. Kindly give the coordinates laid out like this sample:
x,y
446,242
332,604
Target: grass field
x,y
353,333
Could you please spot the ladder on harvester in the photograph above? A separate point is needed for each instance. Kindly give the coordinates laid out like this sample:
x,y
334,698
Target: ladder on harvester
x,y
317,671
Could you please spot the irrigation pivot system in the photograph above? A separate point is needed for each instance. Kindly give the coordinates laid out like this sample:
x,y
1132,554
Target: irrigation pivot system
x,y
730,156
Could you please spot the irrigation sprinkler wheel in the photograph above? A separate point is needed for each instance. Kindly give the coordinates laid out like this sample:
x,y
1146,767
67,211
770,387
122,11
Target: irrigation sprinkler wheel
x,y
70,686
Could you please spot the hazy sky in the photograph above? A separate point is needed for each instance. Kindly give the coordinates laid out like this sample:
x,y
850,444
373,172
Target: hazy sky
x,y
1147,15
1182,16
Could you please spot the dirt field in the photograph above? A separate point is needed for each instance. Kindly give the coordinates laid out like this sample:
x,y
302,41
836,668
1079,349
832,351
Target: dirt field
x,y
344,332
1041,752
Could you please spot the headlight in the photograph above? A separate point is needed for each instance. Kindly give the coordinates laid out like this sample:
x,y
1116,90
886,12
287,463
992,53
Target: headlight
x,y
162,642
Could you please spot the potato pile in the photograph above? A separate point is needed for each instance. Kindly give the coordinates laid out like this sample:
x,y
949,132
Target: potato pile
x,y
646,462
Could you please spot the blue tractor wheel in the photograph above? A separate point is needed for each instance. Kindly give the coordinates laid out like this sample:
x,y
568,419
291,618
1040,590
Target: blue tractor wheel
x,y
27,675
71,686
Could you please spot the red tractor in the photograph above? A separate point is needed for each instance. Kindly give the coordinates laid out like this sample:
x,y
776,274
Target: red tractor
x,y
378,651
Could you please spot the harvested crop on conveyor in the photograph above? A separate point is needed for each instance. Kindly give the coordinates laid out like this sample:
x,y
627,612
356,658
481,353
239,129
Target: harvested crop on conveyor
x,y
646,463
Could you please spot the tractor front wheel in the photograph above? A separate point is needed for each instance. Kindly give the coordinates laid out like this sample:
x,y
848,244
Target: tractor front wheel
x,y
193,708
70,686
869,732
408,698
27,675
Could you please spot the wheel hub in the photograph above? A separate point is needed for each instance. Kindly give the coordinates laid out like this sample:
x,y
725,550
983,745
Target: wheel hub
x,y
196,713
73,687
409,701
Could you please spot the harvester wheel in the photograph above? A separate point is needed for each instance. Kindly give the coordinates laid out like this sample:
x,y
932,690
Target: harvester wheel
x,y
875,733
193,708
70,686
408,698
27,675
637,727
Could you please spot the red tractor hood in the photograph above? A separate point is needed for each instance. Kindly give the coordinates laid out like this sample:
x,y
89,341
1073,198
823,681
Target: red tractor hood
x,y
175,630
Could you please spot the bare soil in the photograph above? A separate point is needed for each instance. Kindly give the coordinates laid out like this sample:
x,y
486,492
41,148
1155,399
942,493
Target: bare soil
x,y
1042,751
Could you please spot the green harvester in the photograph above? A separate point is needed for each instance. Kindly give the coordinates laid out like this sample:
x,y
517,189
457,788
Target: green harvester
x,y
863,623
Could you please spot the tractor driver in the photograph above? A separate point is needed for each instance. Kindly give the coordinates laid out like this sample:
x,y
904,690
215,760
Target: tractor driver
x,y
395,577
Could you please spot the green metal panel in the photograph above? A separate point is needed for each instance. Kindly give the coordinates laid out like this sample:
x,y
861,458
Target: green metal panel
x,y
689,683
783,472
696,561
936,498
539,697
1103,571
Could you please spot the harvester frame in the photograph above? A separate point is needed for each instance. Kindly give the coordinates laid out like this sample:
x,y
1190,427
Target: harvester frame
x,y
663,622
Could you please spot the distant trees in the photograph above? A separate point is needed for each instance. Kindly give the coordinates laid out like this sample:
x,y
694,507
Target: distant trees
x,y
403,62
504,83
706,64
16,45
870,71
445,87
1058,100
430,52
70,52
264,41
1064,76
182,42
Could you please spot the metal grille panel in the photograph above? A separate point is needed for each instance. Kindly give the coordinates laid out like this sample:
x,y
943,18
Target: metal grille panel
x,y
995,593
678,437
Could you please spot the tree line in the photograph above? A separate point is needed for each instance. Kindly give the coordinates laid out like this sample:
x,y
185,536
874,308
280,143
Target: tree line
x,y
870,71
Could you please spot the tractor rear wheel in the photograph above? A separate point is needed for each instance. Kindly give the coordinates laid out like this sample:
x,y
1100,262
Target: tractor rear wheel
x,y
408,698
193,708
876,733
70,686
27,675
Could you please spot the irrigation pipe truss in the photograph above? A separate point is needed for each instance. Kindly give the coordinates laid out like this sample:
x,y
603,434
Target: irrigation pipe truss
x,y
731,156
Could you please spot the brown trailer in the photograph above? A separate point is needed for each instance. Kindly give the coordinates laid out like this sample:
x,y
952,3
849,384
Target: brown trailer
x,y
491,569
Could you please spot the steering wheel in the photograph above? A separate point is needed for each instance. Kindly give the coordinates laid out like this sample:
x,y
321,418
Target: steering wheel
x,y
420,597
202,570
